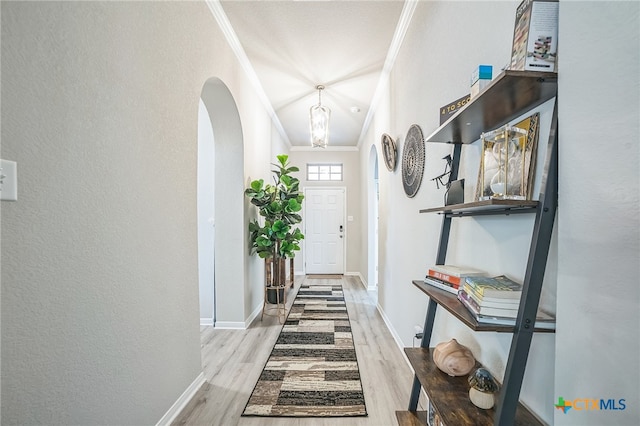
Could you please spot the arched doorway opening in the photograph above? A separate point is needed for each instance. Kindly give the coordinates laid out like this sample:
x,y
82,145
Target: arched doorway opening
x,y
206,216
221,256
373,197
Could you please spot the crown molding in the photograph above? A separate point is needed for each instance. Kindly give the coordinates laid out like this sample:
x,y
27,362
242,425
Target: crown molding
x,y
223,22
398,37
327,149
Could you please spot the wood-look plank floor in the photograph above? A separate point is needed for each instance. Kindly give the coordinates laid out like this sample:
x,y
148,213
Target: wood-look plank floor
x,y
233,360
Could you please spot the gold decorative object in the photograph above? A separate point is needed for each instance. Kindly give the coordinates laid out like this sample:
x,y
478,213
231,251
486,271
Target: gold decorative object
x,y
453,358
507,167
503,163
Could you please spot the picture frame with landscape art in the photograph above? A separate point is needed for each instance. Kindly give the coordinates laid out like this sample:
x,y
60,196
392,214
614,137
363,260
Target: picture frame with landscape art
x,y
531,126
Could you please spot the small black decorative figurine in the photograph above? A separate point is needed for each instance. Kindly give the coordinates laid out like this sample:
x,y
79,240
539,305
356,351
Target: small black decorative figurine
x,y
447,172
444,179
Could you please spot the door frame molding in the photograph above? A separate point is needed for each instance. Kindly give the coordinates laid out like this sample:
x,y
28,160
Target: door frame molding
x,y
344,220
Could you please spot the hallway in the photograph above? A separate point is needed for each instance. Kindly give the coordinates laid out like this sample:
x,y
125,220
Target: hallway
x,y
233,361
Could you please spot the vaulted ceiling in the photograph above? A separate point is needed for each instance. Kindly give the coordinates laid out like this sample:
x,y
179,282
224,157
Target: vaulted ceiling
x,y
293,46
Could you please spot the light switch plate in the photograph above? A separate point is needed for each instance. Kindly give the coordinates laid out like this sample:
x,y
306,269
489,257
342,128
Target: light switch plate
x,y
8,180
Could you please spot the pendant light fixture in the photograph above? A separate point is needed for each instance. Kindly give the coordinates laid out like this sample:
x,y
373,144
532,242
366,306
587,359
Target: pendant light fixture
x,y
319,122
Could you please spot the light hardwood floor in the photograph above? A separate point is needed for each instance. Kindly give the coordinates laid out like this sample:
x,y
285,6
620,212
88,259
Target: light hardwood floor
x,y
233,360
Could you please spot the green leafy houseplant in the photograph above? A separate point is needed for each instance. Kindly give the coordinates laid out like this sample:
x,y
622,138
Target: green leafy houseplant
x,y
279,204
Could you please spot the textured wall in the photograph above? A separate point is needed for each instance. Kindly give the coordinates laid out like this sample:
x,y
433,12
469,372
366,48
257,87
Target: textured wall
x,y
445,41
99,255
595,352
597,341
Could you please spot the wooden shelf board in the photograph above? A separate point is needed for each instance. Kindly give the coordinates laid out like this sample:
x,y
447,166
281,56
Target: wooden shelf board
x,y
450,395
451,303
486,207
411,418
509,95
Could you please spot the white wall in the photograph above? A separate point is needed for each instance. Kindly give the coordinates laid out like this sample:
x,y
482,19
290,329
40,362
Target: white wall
x,y
267,144
99,255
206,215
597,352
445,41
351,180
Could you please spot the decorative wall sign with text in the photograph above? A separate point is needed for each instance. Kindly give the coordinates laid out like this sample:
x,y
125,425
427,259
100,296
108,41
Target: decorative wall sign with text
x,y
448,110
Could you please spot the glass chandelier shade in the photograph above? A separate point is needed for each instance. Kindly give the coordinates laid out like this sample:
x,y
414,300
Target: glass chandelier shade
x,y
319,122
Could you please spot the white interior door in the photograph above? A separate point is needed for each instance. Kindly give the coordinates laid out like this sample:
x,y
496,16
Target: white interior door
x,y
324,231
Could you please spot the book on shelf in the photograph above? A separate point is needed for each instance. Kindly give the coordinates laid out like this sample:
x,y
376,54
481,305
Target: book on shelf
x,y
442,285
458,271
489,301
543,319
455,282
499,287
511,311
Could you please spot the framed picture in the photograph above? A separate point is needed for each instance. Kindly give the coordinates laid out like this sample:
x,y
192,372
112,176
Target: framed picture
x,y
508,161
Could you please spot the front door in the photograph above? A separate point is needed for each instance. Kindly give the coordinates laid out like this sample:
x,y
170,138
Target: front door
x,y
324,231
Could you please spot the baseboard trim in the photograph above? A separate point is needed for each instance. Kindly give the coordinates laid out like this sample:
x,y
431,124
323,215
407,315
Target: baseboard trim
x,y
398,341
392,330
253,316
206,321
368,286
182,402
230,325
237,325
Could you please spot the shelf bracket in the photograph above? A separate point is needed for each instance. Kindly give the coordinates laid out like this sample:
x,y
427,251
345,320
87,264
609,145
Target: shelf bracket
x,y
446,220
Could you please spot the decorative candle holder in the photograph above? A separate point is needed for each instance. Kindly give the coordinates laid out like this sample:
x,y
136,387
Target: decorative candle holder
x,y
483,389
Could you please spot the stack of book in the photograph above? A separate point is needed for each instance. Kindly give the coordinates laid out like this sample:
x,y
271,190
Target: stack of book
x,y
450,277
495,300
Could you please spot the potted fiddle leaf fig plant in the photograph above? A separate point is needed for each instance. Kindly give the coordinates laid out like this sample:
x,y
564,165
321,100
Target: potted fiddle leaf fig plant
x,y
277,239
